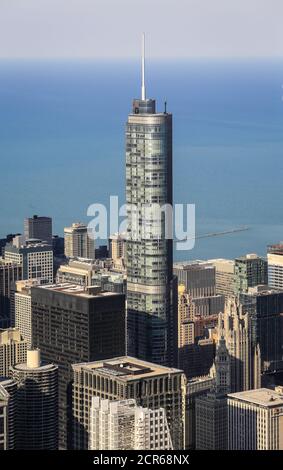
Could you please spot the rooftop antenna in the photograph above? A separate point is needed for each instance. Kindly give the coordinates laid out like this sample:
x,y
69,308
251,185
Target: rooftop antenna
x,y
143,94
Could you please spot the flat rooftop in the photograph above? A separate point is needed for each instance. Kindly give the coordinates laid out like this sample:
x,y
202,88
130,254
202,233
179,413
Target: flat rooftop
x,y
223,265
194,264
29,246
221,260
76,268
126,368
276,248
262,290
248,257
262,397
76,290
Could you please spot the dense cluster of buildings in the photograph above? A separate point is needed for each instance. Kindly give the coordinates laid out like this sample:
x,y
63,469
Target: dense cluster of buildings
x,y
119,348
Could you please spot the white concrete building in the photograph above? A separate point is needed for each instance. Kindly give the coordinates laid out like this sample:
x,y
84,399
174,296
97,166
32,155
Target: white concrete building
x,y
153,386
122,425
255,420
117,246
36,259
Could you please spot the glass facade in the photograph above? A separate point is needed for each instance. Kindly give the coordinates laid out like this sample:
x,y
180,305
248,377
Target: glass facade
x,y
150,300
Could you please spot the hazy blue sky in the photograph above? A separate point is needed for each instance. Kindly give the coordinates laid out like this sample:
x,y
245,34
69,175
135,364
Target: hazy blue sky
x,y
112,28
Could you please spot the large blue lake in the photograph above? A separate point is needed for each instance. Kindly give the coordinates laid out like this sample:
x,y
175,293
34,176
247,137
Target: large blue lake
x,y
62,143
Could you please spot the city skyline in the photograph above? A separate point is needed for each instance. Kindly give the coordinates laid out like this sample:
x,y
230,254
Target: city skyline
x,y
127,346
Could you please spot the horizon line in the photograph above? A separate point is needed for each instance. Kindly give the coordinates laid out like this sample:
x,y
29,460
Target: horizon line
x,y
135,59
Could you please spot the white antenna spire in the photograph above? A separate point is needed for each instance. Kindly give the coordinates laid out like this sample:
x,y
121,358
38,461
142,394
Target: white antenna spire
x,y
143,94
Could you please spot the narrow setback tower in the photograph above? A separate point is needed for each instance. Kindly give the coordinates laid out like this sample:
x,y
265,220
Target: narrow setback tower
x,y
151,289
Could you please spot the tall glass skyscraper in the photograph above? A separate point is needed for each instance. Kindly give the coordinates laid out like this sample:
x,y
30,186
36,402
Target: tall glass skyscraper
x,y
151,288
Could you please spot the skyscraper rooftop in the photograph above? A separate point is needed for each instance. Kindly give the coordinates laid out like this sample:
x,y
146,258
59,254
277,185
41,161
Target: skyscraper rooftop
x,y
127,368
262,396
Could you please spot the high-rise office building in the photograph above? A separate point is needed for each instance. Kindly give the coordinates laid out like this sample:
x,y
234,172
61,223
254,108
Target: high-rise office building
x,y
22,309
152,386
35,257
211,409
224,276
255,420
264,306
58,246
275,265
10,272
186,316
38,227
73,324
151,289
5,241
197,359
8,391
101,252
18,240
37,403
122,425
195,350
197,276
110,281
250,271
208,306
196,387
13,350
211,422
77,242
117,246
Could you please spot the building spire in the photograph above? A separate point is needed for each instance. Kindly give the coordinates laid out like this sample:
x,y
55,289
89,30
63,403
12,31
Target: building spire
x,y
143,93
